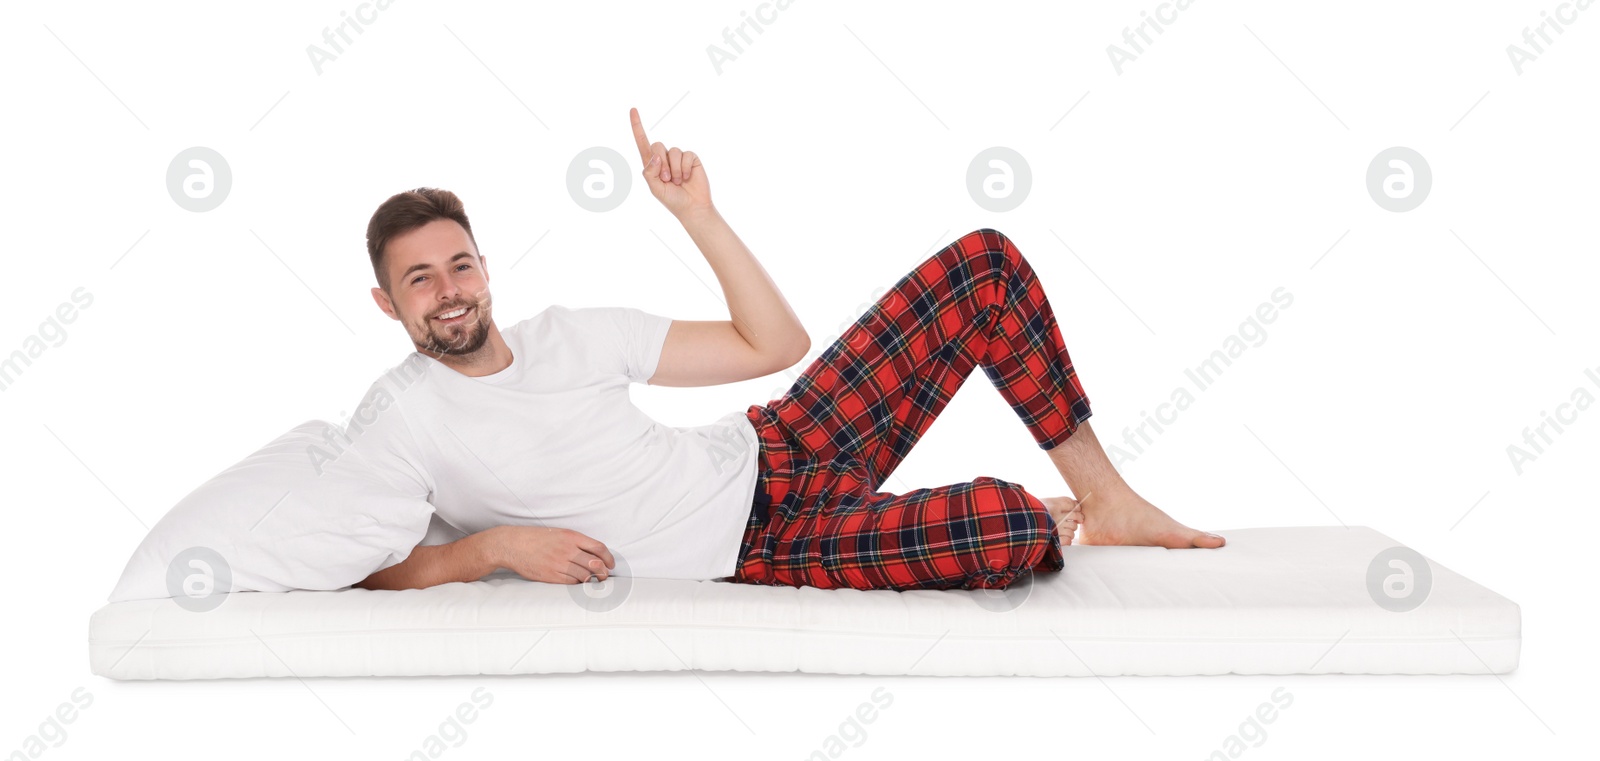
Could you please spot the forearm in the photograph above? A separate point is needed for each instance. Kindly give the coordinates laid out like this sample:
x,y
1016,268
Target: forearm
x,y
466,559
758,310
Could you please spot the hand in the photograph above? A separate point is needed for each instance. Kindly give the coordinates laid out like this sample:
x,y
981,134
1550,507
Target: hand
x,y
677,178
555,555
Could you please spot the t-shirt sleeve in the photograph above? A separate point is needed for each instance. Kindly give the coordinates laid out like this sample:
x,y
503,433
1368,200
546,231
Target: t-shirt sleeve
x,y
378,443
378,440
632,338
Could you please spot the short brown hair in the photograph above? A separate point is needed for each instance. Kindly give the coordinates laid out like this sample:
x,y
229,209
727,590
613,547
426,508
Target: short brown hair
x,y
407,211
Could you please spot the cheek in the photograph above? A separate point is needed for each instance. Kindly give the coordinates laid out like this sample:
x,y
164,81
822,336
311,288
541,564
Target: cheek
x,y
417,311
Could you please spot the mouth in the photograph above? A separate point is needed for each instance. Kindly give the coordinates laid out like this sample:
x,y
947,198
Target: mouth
x,y
455,316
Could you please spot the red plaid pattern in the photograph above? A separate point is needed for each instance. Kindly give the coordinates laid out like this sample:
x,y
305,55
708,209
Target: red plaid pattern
x,y
818,518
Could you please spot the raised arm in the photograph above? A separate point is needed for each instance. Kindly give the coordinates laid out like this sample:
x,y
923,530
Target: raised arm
x,y
762,334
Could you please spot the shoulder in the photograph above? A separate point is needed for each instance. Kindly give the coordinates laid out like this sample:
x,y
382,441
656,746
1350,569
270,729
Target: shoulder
x,y
552,317
412,372
592,320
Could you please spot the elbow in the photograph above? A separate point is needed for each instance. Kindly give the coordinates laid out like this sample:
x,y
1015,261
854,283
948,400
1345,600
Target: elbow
x,y
801,348
791,355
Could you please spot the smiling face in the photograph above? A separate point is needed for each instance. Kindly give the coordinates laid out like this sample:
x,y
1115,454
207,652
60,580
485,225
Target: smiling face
x,y
438,289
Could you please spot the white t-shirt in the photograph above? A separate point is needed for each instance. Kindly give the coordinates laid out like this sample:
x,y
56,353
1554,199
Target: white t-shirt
x,y
554,440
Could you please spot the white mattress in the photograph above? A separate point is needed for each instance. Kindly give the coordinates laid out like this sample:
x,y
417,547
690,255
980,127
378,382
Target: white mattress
x,y
1273,601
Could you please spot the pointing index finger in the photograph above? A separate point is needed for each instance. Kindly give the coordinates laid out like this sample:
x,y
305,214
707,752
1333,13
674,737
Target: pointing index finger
x,y
638,135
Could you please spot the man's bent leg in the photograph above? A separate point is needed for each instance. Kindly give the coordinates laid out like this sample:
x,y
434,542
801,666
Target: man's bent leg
x,y
860,406
828,531
873,393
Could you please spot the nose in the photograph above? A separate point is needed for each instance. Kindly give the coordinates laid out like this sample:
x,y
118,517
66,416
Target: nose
x,y
448,292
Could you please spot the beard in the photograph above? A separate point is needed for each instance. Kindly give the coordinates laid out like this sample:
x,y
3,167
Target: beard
x,y
460,339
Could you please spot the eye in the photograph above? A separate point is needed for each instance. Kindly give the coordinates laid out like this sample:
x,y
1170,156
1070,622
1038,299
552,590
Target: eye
x,y
458,268
417,279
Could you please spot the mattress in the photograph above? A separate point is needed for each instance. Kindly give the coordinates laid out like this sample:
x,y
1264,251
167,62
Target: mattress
x,y
1303,600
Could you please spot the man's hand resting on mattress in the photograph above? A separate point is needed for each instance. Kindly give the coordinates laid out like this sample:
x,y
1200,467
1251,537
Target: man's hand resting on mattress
x,y
536,553
556,555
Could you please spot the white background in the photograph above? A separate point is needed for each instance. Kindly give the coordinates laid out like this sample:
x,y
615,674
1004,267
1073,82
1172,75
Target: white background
x,y
1227,160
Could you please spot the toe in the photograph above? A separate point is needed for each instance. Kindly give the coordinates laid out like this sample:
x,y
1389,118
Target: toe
x,y
1209,541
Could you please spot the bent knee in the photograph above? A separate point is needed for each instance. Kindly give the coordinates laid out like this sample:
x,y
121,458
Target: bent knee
x,y
994,248
988,233
1015,531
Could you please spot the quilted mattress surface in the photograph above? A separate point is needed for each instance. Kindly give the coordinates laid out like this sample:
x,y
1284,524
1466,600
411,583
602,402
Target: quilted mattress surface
x,y
1300,600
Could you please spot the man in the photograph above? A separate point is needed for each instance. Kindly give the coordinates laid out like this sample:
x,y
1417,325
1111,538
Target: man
x,y
526,440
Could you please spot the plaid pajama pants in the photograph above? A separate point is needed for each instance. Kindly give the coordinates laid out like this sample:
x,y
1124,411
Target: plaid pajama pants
x,y
829,442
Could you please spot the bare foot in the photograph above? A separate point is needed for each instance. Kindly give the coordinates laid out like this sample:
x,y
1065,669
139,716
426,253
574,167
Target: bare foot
x,y
1066,514
1125,518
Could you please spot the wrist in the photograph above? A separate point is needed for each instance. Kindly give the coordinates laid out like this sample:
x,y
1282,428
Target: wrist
x,y
483,550
698,215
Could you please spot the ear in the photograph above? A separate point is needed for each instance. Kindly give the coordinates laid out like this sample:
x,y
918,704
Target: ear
x,y
483,261
384,303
